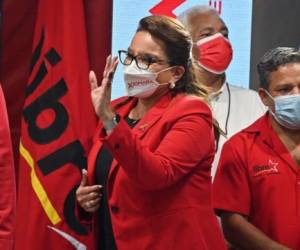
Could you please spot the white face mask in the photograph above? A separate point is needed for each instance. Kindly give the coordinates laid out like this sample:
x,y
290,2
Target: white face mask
x,y
140,83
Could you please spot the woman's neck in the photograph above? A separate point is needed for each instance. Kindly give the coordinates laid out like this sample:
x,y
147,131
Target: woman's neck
x,y
143,105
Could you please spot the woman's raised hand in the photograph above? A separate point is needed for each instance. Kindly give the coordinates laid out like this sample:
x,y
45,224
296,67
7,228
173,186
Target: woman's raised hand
x,y
101,95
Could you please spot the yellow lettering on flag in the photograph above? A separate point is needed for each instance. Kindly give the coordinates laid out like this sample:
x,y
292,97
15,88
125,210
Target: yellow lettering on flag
x,y
38,188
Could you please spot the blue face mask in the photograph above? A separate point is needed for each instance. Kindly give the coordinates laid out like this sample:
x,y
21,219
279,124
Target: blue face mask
x,y
287,111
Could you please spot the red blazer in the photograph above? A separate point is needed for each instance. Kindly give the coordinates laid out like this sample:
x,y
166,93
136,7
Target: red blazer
x,y
7,181
159,184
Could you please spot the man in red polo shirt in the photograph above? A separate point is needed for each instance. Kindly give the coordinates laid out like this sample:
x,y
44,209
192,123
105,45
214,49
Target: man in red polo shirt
x,y
7,182
257,185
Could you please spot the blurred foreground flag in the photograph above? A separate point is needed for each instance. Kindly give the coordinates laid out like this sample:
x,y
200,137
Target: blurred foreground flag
x,y
57,127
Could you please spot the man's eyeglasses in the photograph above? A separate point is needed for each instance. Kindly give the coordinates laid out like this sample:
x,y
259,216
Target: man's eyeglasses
x,y
142,61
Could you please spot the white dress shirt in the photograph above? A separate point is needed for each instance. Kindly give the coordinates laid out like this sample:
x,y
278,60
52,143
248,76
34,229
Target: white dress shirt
x,y
237,107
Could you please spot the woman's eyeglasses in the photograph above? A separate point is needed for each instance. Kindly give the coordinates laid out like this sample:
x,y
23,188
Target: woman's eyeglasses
x,y
142,61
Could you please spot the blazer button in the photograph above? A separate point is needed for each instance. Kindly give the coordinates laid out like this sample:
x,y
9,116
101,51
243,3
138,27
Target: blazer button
x,y
114,209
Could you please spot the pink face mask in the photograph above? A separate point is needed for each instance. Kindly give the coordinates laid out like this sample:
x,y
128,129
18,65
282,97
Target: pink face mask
x,y
214,53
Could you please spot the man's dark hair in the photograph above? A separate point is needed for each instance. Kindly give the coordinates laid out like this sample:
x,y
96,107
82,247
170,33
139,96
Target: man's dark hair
x,y
272,60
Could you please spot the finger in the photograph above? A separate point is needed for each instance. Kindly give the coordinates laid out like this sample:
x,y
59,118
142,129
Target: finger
x,y
87,197
107,66
115,62
93,209
113,68
83,199
89,189
91,196
111,76
106,86
93,80
94,202
84,178
89,209
91,206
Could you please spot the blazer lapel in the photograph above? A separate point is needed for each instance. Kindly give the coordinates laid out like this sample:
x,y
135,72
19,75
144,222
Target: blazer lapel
x,y
153,115
123,111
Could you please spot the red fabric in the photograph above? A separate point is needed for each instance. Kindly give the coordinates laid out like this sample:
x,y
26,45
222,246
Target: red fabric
x,y
7,182
257,177
18,18
17,27
159,183
57,113
99,33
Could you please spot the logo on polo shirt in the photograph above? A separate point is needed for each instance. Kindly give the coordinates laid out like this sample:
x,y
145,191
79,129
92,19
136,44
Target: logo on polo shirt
x,y
270,168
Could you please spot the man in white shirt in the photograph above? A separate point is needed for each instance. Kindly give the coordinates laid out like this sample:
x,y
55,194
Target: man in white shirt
x,y
233,107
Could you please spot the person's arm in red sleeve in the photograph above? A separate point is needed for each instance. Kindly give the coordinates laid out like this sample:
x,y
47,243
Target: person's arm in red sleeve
x,y
187,143
232,200
7,181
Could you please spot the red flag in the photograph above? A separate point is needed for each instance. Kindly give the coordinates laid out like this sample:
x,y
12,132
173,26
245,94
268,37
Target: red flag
x,y
57,126
17,18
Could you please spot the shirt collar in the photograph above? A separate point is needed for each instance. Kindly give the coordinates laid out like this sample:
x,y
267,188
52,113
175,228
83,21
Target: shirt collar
x,y
262,127
264,130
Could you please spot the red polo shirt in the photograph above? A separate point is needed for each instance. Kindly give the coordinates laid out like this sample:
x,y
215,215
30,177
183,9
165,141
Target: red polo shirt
x,y
257,177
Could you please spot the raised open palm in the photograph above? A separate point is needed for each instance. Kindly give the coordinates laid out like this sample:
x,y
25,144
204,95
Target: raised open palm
x,y
101,95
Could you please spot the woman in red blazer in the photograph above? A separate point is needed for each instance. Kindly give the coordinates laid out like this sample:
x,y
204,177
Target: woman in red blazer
x,y
7,181
148,179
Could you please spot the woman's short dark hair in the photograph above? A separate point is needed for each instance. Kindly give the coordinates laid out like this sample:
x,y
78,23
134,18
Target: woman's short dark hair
x,y
177,42
272,60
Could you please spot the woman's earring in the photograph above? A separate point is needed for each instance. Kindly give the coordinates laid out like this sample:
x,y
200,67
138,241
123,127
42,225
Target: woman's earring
x,y
172,85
